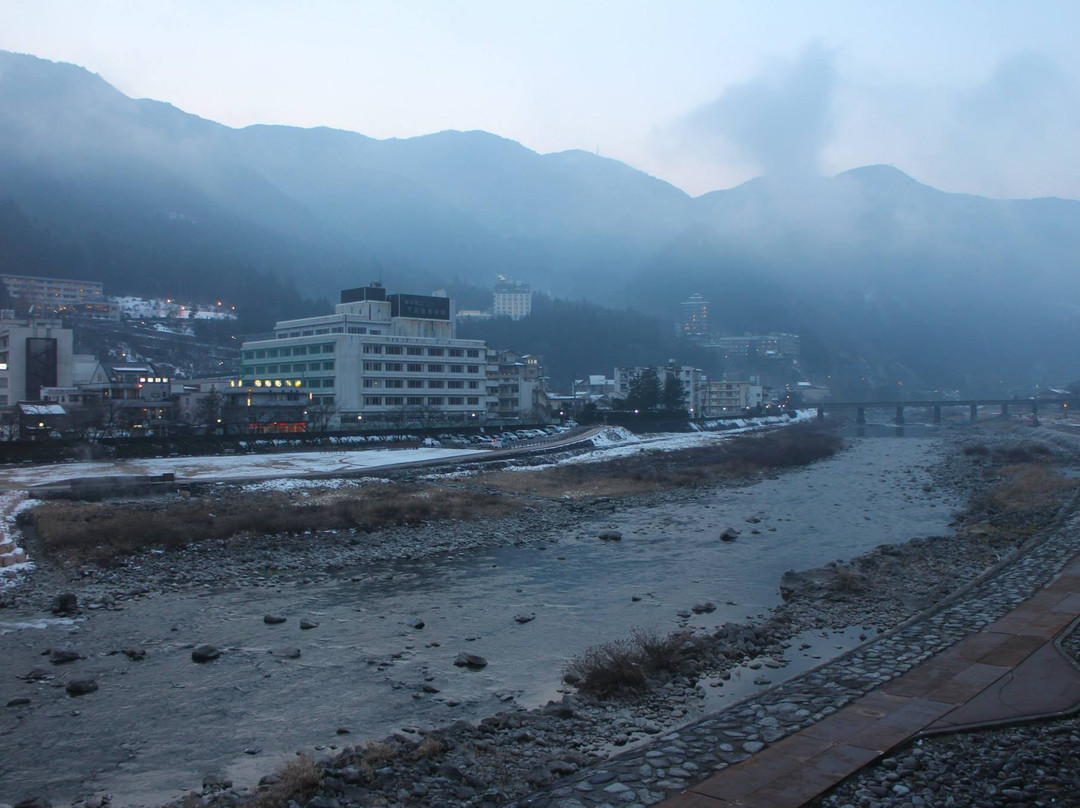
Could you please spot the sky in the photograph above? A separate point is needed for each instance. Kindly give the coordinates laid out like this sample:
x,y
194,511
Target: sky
x,y
977,97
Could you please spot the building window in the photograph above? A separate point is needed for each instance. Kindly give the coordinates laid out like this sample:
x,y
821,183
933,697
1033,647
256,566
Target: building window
x,y
415,368
457,352
373,401
373,366
456,384
474,385
299,350
328,347
372,348
394,350
455,400
435,401
372,382
414,351
435,352
394,367
473,353
457,368
474,368
395,383
394,401
435,384
416,383
353,329
473,401
435,368
415,401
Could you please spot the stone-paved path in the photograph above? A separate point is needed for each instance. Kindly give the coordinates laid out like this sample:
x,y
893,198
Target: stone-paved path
x,y
791,743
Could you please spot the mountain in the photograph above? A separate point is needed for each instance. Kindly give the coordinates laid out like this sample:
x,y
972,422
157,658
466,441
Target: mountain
x,y
887,278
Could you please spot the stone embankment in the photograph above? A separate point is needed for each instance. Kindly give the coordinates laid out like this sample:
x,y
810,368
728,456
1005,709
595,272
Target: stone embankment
x,y
10,553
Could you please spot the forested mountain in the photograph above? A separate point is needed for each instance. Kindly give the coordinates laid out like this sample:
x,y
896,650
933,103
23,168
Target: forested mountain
x,y
886,276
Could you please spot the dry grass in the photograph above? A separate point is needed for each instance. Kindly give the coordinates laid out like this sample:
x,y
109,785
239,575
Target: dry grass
x,y
427,748
98,532
1030,487
611,667
298,780
380,752
650,471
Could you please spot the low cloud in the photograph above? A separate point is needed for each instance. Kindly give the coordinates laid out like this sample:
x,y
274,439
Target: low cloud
x,y
778,122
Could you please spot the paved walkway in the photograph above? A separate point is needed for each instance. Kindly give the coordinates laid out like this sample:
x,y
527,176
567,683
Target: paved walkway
x,y
1008,671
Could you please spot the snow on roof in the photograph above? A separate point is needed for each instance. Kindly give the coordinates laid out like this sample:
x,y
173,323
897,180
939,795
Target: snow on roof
x,y
42,409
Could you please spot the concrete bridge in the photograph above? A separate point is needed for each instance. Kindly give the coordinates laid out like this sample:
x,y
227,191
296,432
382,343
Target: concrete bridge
x,y
1030,405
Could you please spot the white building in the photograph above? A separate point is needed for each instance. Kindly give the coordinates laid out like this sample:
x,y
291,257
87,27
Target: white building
x,y
693,380
34,354
513,299
378,357
731,398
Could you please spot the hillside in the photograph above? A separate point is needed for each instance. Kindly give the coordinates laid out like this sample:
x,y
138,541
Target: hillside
x,y
893,278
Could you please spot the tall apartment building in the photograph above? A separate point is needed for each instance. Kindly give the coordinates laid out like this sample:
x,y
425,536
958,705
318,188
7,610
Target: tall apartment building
x,y
513,299
378,357
694,317
34,354
760,346
516,389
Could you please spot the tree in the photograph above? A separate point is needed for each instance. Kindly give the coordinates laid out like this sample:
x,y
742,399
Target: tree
x,y
645,391
320,416
208,410
674,396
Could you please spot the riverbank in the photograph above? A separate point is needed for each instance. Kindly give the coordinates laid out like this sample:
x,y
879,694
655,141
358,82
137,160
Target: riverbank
x,y
510,753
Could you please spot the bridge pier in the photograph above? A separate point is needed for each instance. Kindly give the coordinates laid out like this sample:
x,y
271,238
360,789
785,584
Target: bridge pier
x,y
821,413
1004,410
860,416
1034,407
899,415
937,413
974,413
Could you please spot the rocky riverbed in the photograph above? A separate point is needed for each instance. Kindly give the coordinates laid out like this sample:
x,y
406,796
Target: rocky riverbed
x,y
515,751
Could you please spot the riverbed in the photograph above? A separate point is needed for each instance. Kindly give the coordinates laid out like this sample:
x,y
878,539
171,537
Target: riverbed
x,y
156,727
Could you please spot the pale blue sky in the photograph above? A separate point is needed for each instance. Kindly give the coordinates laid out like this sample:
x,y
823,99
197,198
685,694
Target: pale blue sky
x,y
982,97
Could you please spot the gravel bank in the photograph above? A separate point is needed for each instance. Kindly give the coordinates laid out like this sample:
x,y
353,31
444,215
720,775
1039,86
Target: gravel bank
x,y
549,756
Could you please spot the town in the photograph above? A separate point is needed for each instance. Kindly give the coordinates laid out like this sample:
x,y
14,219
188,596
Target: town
x,y
380,361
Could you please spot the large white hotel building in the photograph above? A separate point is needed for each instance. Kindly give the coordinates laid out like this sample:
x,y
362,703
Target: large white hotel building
x,y
376,356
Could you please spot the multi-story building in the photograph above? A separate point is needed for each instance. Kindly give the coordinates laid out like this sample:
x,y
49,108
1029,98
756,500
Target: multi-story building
x,y
731,398
513,299
516,389
378,357
694,319
34,354
693,381
761,346
52,293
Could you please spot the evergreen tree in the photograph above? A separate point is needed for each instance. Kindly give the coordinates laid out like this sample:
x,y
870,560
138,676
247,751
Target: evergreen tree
x,y
645,391
674,392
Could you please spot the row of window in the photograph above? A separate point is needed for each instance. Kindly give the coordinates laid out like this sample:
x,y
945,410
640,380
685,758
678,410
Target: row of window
x,y
328,382
413,350
419,384
296,367
416,367
337,329
296,350
420,401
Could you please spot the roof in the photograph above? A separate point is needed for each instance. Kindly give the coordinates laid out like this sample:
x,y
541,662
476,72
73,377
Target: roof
x,y
42,409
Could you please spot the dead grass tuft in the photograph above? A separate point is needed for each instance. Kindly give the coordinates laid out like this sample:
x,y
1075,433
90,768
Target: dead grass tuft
x,y
621,665
297,781
1030,487
430,747
380,752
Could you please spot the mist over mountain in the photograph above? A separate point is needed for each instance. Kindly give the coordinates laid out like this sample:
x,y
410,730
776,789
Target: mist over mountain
x,y
893,279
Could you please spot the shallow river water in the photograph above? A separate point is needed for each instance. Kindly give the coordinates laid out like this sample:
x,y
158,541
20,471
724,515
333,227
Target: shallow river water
x,y
156,727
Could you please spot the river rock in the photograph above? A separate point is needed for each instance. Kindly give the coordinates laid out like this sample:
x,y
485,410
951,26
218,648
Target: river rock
x,y
134,654
62,656
286,653
273,619
524,618
609,535
80,687
465,660
204,653
18,701
308,624
729,534
65,603
416,623
703,608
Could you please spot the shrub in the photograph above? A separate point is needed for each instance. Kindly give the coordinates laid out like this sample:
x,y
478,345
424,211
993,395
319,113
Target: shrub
x,y
612,667
297,781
